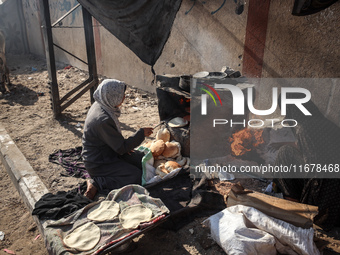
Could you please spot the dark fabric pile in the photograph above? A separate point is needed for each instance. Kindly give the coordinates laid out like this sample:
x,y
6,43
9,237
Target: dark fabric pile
x,y
143,25
56,206
186,199
71,160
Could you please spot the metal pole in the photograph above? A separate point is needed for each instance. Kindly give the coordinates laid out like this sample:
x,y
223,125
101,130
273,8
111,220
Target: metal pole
x,y
90,50
50,58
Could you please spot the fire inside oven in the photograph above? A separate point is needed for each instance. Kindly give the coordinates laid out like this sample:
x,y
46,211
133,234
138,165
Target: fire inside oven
x,y
245,140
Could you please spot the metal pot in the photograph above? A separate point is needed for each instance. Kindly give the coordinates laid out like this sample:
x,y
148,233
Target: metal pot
x,y
184,82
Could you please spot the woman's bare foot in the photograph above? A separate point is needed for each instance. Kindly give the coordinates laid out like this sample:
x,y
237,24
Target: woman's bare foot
x,y
91,190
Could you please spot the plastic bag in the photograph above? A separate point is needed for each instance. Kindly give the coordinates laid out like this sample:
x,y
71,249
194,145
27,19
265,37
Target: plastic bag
x,y
149,176
147,164
241,229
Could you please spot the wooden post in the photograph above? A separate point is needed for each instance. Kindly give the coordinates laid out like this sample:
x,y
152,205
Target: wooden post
x,y
255,41
90,50
50,58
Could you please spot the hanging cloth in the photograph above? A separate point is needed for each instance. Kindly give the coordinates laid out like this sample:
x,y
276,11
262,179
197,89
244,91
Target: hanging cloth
x,y
143,25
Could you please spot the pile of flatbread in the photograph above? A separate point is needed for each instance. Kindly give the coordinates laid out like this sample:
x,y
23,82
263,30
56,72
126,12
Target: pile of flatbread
x,y
87,236
167,155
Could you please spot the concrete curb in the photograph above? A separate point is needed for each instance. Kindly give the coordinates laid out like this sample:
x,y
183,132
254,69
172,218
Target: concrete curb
x,y
24,178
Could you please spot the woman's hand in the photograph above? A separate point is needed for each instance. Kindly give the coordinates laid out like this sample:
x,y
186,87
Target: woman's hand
x,y
148,131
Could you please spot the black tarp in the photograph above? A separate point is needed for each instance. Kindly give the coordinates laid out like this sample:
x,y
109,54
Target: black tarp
x,y
307,7
142,25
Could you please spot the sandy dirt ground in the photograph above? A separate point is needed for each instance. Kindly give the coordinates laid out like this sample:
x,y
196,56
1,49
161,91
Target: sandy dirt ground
x,y
27,117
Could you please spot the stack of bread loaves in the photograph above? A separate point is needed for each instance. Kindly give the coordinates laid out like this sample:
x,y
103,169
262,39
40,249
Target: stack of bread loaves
x,y
167,154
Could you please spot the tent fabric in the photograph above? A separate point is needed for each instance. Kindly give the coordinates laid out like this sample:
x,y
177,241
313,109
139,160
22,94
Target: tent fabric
x,y
143,25
308,7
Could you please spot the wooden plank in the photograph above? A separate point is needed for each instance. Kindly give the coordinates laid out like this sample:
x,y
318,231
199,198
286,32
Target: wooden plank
x,y
298,214
255,41
82,92
70,93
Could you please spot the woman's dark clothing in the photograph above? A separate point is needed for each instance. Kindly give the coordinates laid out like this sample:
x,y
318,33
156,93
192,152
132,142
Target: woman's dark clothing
x,y
323,193
292,188
318,141
105,151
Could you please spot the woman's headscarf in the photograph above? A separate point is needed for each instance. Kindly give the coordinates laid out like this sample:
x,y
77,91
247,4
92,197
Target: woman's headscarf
x,y
109,94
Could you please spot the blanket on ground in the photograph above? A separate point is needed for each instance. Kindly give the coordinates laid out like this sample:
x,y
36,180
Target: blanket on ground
x,y
185,197
71,160
111,231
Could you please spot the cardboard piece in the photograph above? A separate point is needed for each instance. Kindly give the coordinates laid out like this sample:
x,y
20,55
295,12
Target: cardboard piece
x,y
300,215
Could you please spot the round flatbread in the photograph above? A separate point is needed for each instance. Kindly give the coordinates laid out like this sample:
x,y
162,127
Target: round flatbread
x,y
178,122
161,171
157,148
171,166
106,210
171,149
201,74
83,238
133,215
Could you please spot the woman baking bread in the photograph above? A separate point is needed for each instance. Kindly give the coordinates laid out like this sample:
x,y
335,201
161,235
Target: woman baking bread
x,y
109,157
318,142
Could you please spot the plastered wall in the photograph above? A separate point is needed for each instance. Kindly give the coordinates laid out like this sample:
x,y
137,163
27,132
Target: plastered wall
x,y
302,46
293,47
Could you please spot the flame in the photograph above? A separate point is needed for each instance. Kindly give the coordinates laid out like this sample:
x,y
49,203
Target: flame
x,y
244,140
184,100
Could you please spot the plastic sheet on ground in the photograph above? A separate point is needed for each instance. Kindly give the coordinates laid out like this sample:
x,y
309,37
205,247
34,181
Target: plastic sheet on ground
x,y
245,230
149,176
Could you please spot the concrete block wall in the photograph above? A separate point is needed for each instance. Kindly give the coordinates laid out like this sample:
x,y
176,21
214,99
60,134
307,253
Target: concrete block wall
x,y
306,46
201,41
